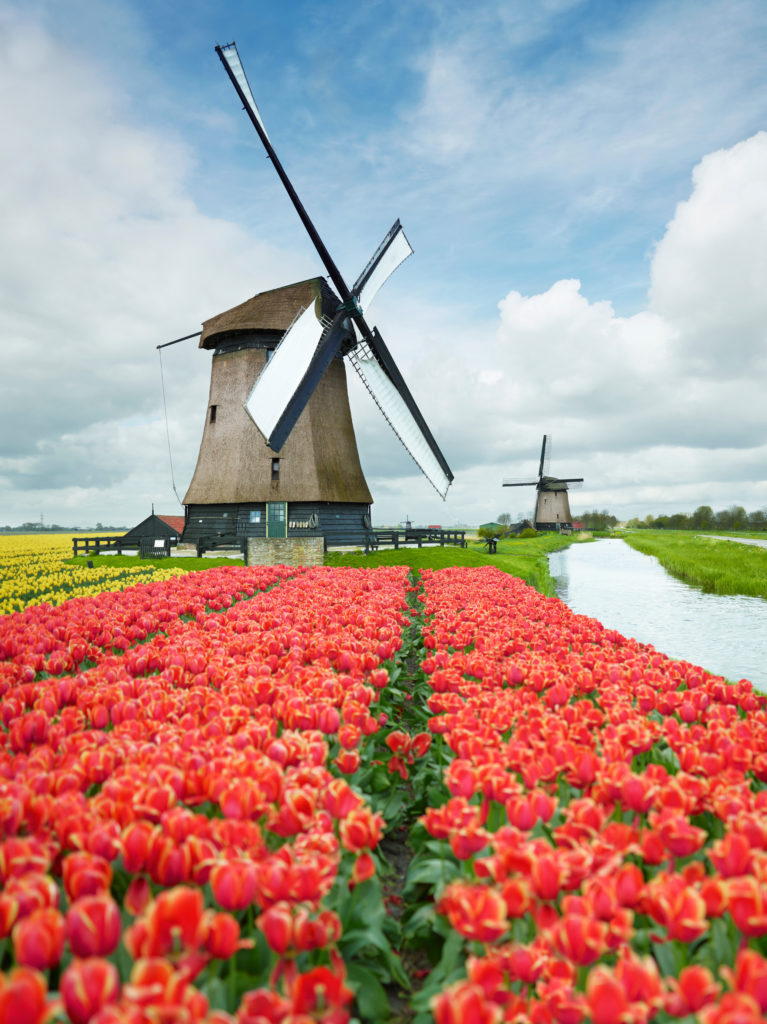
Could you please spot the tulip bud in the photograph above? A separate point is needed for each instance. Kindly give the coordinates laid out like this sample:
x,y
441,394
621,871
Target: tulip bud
x,y
22,996
88,985
277,925
38,940
93,926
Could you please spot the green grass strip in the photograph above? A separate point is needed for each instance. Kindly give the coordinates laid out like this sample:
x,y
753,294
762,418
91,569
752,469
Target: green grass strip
x,y
716,566
525,558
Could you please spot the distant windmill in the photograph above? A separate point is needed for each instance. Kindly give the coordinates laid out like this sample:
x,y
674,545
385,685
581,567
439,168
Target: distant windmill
x,y
552,507
278,455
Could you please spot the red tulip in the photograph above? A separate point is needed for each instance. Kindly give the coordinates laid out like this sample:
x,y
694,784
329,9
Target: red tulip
x,y
93,926
22,997
88,985
38,940
464,1003
234,883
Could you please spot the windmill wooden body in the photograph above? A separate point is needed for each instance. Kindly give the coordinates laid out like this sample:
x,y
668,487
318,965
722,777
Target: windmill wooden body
x,y
278,455
552,505
314,485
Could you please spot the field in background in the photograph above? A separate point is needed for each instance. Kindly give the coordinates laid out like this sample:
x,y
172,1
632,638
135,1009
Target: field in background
x,y
39,568
34,570
717,566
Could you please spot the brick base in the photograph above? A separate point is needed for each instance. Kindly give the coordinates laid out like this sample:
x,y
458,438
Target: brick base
x,y
285,551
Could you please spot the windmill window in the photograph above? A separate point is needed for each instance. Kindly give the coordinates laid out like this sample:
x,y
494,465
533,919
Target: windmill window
x,y
255,517
275,469
269,354
213,413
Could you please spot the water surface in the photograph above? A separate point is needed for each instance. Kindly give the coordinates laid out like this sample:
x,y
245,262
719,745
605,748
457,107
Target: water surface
x,y
632,593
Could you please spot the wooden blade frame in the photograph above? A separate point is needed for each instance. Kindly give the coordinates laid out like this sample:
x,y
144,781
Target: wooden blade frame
x,y
349,303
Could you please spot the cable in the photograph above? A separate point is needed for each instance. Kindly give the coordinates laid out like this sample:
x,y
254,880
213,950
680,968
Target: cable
x,y
167,426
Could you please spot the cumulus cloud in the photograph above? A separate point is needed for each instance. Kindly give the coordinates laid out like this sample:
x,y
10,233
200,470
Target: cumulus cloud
x,y
665,407
103,255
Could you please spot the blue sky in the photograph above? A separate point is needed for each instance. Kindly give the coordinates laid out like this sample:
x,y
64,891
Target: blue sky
x,y
582,183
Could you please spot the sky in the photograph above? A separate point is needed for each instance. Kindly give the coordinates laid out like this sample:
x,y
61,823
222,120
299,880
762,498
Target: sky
x,y
583,182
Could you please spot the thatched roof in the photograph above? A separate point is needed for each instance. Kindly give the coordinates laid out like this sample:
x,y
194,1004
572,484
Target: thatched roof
x,y
274,310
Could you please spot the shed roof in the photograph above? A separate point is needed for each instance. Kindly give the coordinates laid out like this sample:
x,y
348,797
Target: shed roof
x,y
176,523
153,526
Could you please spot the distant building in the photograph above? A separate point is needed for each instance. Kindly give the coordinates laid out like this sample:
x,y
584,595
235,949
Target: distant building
x,y
157,527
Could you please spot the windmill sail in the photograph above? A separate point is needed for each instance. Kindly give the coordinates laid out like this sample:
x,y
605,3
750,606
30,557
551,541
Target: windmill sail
x,y
283,373
543,468
392,251
400,418
231,57
287,388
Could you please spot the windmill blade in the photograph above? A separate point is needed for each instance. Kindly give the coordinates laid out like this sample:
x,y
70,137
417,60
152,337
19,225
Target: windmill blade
x,y
333,337
231,58
384,381
392,251
526,483
275,390
543,468
570,480
391,395
225,54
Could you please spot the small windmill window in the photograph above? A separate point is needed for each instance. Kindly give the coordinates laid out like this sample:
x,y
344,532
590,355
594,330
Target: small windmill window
x,y
275,469
269,354
213,413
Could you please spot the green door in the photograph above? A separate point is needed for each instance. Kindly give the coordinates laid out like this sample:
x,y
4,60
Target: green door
x,y
276,519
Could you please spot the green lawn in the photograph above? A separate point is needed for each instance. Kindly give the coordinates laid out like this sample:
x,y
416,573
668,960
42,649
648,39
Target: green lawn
x,y
184,564
524,558
717,566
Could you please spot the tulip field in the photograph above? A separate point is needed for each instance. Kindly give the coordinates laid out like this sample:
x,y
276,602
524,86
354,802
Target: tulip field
x,y
284,795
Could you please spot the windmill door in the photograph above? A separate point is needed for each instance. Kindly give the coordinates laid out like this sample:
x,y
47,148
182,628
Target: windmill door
x,y
276,519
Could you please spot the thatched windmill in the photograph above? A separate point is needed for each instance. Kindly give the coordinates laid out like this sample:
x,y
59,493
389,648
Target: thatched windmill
x,y
552,506
278,455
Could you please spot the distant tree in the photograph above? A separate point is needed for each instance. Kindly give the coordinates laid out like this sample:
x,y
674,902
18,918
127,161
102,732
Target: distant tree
x,y
504,519
702,518
757,520
678,521
739,517
598,520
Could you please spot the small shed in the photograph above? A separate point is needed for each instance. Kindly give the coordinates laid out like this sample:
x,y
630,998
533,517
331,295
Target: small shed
x,y
493,528
157,528
523,524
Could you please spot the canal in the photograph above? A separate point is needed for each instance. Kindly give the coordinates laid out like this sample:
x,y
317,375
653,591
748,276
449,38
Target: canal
x,y
632,593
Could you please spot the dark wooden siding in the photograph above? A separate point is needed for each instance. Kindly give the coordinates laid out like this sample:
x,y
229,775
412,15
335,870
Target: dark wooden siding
x,y
339,522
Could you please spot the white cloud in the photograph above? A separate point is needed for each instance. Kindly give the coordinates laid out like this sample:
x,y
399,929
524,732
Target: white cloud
x,y
103,255
663,408
709,270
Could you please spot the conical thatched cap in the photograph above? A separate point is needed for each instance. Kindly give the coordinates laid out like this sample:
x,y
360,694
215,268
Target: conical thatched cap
x,y
270,311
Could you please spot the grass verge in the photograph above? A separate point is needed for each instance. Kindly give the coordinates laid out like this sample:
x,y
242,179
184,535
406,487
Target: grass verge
x,y
524,558
178,564
716,566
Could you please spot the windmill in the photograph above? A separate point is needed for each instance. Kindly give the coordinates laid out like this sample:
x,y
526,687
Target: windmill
x,y
552,507
278,454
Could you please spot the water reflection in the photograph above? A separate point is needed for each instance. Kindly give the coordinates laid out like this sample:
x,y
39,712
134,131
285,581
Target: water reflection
x,y
632,593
